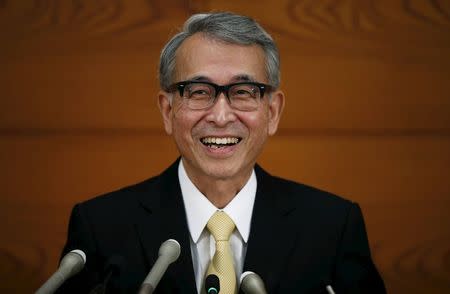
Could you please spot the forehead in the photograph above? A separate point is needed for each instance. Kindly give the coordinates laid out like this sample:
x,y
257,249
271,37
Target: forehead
x,y
218,61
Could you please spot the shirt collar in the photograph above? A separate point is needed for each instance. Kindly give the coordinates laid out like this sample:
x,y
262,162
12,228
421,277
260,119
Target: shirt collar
x,y
199,209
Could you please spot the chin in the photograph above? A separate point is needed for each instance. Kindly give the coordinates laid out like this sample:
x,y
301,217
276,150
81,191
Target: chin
x,y
222,170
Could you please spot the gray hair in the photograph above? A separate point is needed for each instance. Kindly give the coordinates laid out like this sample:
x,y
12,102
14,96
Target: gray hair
x,y
226,27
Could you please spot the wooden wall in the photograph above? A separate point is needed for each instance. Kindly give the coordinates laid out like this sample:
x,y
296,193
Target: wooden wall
x,y
367,117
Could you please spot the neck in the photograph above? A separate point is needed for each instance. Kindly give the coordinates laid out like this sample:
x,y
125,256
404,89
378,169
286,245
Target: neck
x,y
219,192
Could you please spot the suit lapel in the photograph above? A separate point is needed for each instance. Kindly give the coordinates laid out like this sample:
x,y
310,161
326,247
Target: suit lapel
x,y
163,217
271,235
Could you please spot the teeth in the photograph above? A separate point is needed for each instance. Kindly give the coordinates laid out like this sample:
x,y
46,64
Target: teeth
x,y
218,141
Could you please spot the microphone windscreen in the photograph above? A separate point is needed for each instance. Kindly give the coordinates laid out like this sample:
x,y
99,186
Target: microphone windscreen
x,y
72,263
251,283
171,249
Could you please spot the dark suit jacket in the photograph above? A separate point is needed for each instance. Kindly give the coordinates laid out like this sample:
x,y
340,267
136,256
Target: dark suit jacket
x,y
301,238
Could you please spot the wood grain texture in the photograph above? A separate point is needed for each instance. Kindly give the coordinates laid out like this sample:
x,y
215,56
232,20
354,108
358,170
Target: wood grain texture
x,y
367,117
389,177
331,76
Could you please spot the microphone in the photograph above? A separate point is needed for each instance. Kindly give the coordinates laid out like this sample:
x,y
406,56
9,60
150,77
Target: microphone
x,y
212,284
112,268
71,264
329,289
168,253
251,283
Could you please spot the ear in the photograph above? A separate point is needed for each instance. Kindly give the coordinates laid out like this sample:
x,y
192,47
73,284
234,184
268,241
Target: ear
x,y
276,106
165,107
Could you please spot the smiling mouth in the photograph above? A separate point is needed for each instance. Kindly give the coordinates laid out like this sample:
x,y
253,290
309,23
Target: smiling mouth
x,y
216,142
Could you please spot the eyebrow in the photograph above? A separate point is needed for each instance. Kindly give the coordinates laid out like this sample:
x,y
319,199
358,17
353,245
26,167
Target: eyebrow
x,y
244,78
238,78
200,79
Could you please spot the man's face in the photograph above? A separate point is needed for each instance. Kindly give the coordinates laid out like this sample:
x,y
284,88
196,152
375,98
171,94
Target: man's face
x,y
201,58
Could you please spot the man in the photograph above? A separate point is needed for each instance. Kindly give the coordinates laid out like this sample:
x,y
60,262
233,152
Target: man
x,y
220,102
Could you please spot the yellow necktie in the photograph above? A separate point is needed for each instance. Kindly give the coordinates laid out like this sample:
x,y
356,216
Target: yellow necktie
x,y
221,226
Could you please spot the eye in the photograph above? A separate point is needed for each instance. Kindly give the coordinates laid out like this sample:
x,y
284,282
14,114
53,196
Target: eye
x,y
244,91
198,91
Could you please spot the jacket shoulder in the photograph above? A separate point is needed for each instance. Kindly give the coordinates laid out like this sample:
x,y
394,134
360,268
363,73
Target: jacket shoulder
x,y
122,196
305,198
147,191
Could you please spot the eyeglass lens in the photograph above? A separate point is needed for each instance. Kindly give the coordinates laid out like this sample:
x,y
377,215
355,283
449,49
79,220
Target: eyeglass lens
x,y
241,96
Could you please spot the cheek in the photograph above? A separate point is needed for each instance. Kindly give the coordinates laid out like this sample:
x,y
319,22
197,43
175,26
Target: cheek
x,y
180,126
257,122
183,124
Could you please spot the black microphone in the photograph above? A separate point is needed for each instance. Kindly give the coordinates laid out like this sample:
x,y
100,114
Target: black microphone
x,y
212,284
251,283
112,269
70,265
168,253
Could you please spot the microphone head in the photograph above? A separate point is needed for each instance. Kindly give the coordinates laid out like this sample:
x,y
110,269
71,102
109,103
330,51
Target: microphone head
x,y
212,284
72,263
171,249
81,253
251,283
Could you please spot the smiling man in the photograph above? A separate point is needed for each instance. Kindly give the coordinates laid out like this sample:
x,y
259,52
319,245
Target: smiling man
x,y
220,101
219,131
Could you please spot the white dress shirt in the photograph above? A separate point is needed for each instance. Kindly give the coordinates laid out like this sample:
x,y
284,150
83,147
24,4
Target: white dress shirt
x,y
199,210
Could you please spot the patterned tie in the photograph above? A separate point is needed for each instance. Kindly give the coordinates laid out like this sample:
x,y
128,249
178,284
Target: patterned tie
x,y
221,226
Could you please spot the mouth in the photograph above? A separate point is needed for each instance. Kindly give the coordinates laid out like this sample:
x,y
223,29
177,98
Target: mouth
x,y
220,142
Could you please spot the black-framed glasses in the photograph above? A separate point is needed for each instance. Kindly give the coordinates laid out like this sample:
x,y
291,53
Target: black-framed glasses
x,y
245,96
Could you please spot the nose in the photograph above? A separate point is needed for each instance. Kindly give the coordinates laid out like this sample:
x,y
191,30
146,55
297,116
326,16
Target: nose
x,y
221,112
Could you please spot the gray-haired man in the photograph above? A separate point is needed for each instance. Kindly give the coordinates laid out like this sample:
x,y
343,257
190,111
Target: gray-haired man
x,y
220,101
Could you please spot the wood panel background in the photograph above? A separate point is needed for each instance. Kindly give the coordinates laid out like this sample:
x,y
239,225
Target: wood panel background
x,y
367,117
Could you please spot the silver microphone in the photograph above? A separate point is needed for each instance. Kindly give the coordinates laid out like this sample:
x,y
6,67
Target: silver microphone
x,y
330,289
251,283
71,264
168,253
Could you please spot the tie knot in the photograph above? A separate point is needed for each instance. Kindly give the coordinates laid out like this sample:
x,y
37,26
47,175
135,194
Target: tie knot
x,y
221,226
